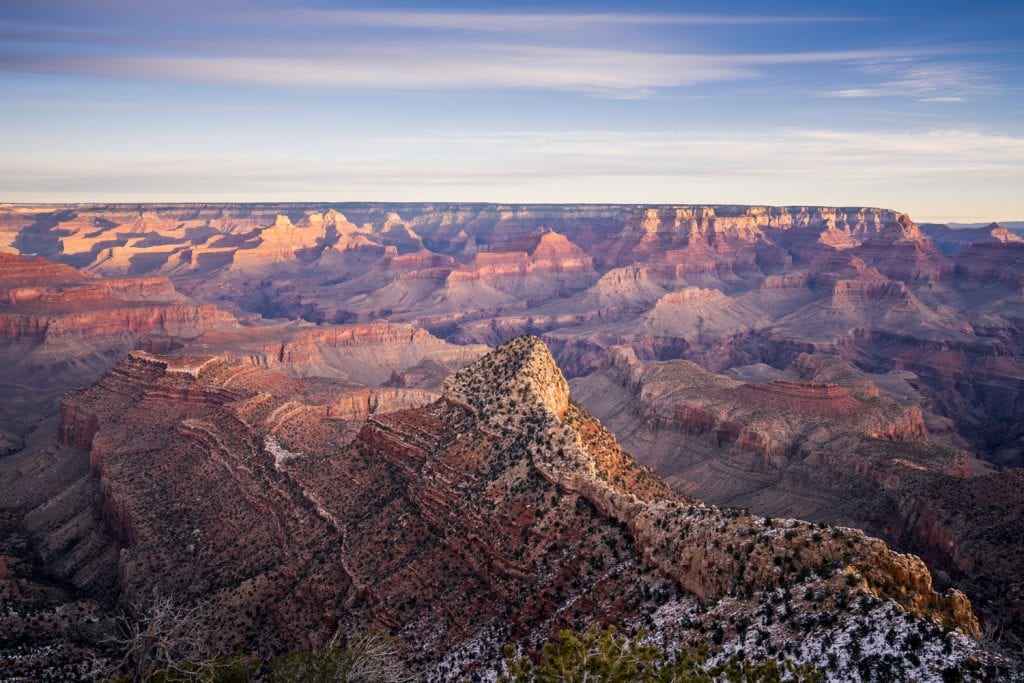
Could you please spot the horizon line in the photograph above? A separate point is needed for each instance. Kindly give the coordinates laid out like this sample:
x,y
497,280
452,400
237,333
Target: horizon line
x,y
964,220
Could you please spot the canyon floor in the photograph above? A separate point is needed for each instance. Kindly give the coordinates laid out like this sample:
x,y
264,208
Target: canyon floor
x,y
291,417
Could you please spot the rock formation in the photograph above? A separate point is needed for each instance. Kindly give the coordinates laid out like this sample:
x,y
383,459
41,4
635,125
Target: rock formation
x,y
504,510
830,450
955,240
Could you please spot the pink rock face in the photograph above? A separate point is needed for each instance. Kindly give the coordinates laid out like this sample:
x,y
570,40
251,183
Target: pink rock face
x,y
36,289
77,428
779,281
998,262
803,398
910,261
364,353
774,420
21,271
790,279
953,241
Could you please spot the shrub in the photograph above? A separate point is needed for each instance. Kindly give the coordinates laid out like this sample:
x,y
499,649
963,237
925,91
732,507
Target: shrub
x,y
368,657
604,656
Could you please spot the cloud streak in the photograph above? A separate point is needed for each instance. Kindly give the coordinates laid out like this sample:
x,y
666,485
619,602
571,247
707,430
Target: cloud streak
x,y
926,82
531,22
514,155
907,171
442,65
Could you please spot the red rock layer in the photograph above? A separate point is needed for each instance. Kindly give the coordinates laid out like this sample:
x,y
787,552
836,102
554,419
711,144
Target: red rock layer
x,y
993,262
45,302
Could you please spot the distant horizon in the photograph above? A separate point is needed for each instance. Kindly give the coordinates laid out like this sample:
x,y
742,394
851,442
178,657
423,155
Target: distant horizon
x,y
959,220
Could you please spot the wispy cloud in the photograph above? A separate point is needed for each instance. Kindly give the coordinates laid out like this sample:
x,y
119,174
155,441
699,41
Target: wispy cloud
x,y
431,67
428,51
919,172
443,65
512,156
940,82
545,22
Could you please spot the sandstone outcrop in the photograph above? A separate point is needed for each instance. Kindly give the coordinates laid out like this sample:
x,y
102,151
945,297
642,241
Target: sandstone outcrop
x,y
363,353
61,328
66,312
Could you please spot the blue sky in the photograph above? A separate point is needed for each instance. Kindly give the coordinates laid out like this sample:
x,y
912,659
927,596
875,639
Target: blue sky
x,y
912,105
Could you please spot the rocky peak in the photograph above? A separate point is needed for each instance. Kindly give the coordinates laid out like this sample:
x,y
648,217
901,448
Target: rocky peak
x,y
332,218
521,370
550,241
393,219
282,221
1002,234
504,503
518,390
908,230
690,295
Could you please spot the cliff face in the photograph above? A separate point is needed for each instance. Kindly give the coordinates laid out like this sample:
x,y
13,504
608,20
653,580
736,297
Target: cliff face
x,y
71,314
284,241
982,255
505,509
773,420
363,353
61,328
555,248
666,528
832,452
988,262
955,240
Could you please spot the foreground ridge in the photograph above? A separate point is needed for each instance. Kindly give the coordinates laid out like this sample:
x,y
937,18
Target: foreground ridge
x,y
524,368
497,514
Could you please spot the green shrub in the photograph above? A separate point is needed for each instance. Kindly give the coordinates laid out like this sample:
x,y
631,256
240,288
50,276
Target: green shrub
x,y
605,656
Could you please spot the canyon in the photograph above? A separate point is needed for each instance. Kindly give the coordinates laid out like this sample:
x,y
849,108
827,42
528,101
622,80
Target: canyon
x,y
722,286
303,366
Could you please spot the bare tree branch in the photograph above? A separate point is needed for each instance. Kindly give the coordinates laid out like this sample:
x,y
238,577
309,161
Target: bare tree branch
x,y
158,635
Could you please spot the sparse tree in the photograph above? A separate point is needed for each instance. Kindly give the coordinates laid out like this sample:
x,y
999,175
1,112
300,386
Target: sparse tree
x,y
158,639
375,656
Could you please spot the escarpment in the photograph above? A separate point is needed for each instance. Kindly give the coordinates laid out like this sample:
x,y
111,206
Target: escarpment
x,y
66,314
772,419
364,353
831,452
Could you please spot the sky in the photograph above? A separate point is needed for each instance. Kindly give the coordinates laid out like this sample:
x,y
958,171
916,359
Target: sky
x,y
915,105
